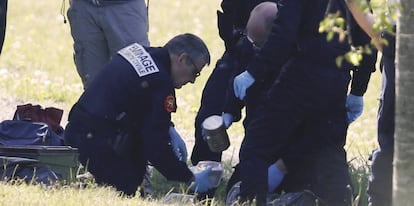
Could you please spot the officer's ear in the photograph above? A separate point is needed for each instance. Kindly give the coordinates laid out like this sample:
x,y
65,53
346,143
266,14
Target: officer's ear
x,y
182,58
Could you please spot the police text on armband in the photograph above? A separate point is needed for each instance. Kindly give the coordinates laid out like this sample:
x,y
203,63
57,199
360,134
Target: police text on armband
x,y
140,59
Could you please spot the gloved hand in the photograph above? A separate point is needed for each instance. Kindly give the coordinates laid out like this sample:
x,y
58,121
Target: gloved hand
x,y
228,119
178,144
354,106
274,177
201,181
241,83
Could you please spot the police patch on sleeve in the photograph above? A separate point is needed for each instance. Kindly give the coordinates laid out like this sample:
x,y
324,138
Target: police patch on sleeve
x,y
140,59
169,103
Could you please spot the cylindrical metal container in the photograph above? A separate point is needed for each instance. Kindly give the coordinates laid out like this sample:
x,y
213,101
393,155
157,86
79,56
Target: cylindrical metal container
x,y
215,133
216,173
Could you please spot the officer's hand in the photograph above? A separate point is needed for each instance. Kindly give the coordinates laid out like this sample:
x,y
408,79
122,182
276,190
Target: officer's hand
x,y
178,144
201,181
241,83
354,107
274,177
228,119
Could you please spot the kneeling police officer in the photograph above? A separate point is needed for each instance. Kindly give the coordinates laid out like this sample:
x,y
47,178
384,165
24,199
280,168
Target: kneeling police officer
x,y
123,119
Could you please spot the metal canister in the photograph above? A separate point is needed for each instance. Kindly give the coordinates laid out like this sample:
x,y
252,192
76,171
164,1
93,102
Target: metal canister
x,y
214,175
215,133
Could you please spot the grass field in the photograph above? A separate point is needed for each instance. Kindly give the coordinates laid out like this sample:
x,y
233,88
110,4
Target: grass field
x,y
36,66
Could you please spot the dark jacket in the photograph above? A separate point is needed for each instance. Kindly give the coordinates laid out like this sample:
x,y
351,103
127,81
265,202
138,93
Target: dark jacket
x,y
296,28
243,53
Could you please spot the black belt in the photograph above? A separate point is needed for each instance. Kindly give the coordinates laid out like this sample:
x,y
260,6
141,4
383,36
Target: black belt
x,y
78,114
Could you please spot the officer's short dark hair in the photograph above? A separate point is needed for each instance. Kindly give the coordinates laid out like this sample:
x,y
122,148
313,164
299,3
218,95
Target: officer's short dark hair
x,y
190,44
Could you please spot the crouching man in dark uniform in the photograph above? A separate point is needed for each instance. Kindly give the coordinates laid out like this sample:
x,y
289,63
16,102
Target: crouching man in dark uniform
x,y
122,120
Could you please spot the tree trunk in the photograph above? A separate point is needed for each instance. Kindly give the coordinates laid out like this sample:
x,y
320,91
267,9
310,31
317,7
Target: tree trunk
x,y
403,186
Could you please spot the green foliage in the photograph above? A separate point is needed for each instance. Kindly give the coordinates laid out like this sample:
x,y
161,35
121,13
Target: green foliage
x,y
334,24
359,168
354,56
18,193
39,86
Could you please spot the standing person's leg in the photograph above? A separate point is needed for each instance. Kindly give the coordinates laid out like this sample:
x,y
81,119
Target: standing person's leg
x,y
331,181
3,20
212,103
327,126
316,160
124,24
380,183
91,51
266,139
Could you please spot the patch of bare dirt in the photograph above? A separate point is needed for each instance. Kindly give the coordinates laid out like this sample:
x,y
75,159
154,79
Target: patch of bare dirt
x,y
8,107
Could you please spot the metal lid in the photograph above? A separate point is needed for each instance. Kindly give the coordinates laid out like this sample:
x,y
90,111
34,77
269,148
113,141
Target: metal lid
x,y
212,122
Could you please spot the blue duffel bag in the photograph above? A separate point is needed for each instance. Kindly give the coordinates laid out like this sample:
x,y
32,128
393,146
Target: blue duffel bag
x,y
20,132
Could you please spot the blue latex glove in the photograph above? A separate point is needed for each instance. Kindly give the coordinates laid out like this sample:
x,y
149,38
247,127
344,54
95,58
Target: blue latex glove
x,y
228,119
201,181
274,177
241,83
178,144
354,106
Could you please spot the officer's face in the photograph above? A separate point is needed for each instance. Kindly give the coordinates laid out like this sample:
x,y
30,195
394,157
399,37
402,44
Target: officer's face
x,y
195,70
188,69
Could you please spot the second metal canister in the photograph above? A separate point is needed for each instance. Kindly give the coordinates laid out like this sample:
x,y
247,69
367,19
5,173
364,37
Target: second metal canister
x,y
215,133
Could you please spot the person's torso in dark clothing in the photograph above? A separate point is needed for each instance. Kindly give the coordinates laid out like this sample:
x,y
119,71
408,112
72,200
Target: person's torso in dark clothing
x,y
124,94
296,31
